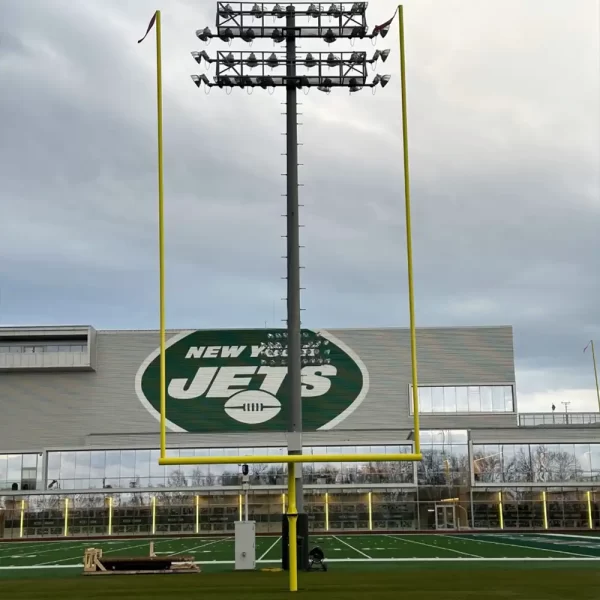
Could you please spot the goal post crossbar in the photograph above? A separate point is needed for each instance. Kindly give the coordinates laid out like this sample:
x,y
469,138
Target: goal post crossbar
x,y
286,458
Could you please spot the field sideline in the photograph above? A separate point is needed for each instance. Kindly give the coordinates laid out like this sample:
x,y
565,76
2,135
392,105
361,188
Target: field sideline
x,y
389,548
451,566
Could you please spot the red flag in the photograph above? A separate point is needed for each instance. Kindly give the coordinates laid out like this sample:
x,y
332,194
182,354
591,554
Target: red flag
x,y
378,28
150,25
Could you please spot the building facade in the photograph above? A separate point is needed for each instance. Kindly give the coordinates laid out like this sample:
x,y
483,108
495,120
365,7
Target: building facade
x,y
79,435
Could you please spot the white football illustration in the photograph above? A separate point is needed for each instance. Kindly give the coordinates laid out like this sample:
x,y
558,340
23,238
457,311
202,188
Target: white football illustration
x,y
252,407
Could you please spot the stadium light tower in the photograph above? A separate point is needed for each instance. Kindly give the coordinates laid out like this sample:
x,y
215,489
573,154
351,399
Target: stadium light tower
x,y
324,70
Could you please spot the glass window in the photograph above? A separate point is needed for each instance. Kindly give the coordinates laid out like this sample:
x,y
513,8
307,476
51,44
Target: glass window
x,y
67,465
508,398
485,392
425,401
437,399
30,461
53,466
462,400
113,464
157,472
450,399
127,469
97,464
498,398
595,460
3,469
82,465
458,436
142,463
523,463
474,398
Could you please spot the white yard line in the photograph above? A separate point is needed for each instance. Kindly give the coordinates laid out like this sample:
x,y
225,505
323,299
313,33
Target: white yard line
x,y
30,550
406,539
270,548
524,547
335,537
227,539
346,560
594,538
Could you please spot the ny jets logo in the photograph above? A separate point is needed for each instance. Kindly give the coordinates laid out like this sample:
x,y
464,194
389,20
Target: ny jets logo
x,y
236,380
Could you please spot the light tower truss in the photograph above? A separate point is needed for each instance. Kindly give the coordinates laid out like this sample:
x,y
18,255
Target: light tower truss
x,y
322,70
250,20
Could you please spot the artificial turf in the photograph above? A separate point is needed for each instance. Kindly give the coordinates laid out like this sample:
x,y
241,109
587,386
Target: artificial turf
x,y
447,584
419,567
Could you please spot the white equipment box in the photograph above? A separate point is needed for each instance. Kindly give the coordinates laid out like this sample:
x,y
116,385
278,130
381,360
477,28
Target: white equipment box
x,y
245,545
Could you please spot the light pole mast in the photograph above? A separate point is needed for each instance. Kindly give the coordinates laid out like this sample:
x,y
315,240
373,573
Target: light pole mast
x,y
292,70
294,353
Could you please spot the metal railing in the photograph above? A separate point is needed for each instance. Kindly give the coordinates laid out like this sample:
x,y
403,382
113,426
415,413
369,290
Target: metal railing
x,y
554,418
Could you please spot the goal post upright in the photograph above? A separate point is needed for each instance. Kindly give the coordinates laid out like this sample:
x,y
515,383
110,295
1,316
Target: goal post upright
x,y
291,459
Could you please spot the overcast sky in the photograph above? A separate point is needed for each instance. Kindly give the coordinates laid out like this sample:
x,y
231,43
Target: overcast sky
x,y
504,127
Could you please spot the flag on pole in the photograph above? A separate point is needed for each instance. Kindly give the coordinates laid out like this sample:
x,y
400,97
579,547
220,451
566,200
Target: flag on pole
x,y
588,345
150,25
380,28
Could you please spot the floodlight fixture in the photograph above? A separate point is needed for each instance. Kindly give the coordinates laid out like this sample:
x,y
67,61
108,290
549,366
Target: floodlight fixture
x,y
358,58
272,61
226,35
329,36
325,85
252,61
204,34
302,82
354,85
278,11
310,61
384,31
199,56
257,11
335,10
201,79
225,81
332,60
380,54
278,36
358,32
230,60
249,35
314,11
226,11
245,82
266,82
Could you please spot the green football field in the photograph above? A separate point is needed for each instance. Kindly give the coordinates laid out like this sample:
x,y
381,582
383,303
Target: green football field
x,y
423,567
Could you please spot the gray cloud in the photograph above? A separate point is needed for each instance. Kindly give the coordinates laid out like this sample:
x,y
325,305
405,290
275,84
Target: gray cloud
x,y
505,166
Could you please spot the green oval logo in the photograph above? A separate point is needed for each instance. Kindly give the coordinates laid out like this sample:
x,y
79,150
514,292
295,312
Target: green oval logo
x,y
236,381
